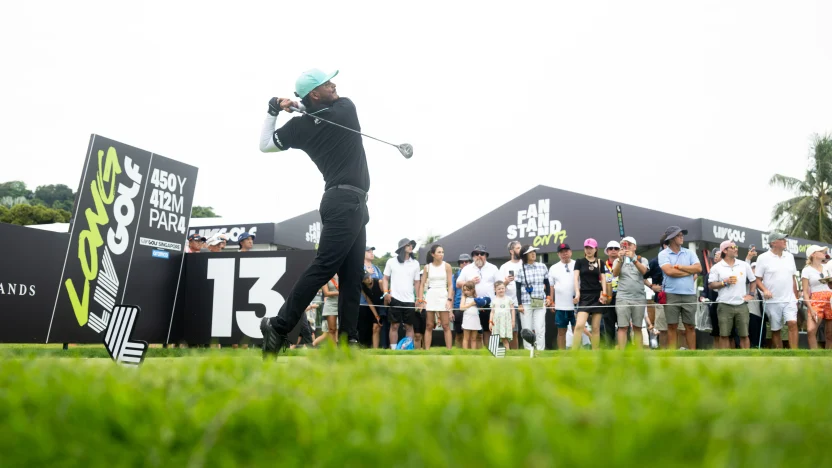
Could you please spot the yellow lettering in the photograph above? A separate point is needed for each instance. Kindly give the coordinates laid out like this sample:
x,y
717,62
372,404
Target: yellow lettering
x,y
90,239
111,169
92,236
82,307
557,236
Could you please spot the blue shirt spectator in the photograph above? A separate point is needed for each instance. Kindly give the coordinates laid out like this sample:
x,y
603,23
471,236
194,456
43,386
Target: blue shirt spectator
x,y
457,291
685,257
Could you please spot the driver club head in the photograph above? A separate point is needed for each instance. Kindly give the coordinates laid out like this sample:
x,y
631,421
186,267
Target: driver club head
x,y
528,336
406,150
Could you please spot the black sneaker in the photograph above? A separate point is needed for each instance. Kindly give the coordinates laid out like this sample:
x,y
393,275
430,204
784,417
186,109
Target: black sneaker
x,y
273,342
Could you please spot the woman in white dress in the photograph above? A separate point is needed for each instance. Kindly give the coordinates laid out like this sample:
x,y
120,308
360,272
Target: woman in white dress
x,y
438,298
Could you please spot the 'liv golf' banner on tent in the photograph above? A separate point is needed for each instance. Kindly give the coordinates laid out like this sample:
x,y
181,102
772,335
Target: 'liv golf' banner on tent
x,y
126,244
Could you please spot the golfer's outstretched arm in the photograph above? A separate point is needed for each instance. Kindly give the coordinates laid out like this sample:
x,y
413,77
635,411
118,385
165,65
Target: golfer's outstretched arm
x,y
272,139
267,144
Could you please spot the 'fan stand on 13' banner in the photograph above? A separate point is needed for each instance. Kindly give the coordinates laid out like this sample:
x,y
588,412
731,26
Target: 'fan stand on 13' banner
x,y
117,339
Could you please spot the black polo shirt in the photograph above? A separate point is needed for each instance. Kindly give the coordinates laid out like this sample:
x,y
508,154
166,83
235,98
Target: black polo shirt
x,y
655,274
338,153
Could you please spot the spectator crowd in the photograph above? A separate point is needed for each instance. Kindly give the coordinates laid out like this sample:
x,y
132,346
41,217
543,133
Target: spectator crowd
x,y
615,298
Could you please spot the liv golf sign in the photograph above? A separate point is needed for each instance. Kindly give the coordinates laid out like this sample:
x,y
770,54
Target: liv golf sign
x,y
132,207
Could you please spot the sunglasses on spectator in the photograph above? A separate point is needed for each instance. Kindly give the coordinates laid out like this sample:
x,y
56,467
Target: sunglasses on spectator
x,y
614,248
479,253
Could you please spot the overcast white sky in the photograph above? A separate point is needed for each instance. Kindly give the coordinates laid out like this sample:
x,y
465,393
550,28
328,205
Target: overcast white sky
x,y
689,98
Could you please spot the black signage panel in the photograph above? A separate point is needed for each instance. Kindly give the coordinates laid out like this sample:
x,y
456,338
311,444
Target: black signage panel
x,y
29,273
160,244
226,294
119,192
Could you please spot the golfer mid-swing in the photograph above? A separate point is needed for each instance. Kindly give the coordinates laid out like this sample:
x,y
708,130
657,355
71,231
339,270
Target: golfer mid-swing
x,y
339,155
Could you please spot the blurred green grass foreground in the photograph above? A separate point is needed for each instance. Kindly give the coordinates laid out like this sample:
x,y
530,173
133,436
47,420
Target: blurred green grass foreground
x,y
352,408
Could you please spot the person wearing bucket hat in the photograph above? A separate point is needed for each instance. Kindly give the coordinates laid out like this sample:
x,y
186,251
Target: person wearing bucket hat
x,y
533,290
340,157
816,295
483,274
776,279
401,279
679,265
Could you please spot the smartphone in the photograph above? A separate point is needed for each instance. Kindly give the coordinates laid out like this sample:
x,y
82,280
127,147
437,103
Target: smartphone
x,y
751,247
511,272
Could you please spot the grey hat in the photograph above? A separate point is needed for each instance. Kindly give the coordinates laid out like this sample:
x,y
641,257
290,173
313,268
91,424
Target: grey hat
x,y
404,242
464,258
775,236
714,251
674,231
479,248
369,248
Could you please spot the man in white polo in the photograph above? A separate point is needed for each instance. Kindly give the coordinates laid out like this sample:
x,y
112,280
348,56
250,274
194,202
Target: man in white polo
x,y
631,302
776,279
562,276
679,265
484,275
730,278
400,281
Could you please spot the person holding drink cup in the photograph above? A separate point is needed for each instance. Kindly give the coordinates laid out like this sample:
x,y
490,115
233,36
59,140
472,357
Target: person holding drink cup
x,y
729,278
816,294
631,302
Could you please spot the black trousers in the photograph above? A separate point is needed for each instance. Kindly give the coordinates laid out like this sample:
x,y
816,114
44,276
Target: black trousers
x,y
344,217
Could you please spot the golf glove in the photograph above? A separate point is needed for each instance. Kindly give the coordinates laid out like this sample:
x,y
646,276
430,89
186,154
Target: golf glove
x,y
274,106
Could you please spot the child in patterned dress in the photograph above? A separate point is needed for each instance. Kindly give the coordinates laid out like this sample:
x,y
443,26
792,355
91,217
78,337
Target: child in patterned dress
x,y
502,315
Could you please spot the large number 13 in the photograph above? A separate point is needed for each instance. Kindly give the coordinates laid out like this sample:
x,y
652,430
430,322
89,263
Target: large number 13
x,y
221,270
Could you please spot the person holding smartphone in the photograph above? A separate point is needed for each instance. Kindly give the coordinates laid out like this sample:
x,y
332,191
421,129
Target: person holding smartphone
x,y
508,272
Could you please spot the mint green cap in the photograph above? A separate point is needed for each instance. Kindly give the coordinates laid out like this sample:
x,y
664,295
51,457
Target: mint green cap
x,y
310,80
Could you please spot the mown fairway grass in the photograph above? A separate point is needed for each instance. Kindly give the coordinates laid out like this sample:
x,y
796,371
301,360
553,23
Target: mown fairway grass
x,y
342,408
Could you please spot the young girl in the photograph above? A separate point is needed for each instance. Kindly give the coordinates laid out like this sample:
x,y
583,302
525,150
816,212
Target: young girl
x,y
330,312
502,315
470,317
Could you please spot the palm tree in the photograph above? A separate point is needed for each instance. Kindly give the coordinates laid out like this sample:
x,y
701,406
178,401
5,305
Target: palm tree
x,y
809,213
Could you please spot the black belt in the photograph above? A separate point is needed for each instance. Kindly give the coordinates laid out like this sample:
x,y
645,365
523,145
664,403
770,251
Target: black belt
x,y
349,187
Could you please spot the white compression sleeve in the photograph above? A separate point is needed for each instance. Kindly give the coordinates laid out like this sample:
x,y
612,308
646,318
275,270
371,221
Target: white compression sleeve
x,y
266,135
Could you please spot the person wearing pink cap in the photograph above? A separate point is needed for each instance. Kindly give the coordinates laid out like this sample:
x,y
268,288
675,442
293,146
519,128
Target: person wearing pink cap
x,y
590,292
730,278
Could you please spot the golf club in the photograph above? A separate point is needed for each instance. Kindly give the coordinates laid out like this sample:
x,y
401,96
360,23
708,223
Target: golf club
x,y
404,148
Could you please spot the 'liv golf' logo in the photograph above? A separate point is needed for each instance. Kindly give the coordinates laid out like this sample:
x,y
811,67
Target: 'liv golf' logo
x,y
113,190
